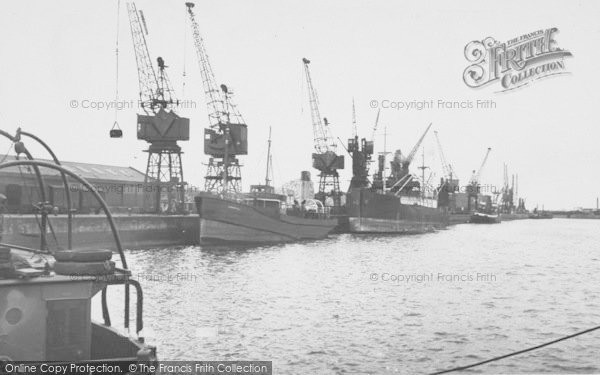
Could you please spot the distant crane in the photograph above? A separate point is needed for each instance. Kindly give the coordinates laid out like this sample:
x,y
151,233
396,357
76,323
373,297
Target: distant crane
x,y
376,124
227,135
447,168
159,126
450,180
325,160
354,129
404,162
477,174
400,176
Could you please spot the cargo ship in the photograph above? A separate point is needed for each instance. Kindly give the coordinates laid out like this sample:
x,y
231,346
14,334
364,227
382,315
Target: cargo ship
x,y
396,204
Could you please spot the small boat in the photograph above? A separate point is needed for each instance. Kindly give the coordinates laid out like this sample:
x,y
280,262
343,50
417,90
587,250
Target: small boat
x,y
260,216
483,218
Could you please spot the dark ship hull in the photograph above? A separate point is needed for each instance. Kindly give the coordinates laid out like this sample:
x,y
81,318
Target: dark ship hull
x,y
372,212
541,215
228,221
458,218
514,216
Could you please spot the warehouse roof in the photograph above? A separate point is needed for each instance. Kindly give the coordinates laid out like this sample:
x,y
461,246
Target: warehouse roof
x,y
88,171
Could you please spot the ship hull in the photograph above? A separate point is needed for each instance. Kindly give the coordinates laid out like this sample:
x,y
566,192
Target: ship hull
x,y
370,212
514,216
225,221
458,218
479,218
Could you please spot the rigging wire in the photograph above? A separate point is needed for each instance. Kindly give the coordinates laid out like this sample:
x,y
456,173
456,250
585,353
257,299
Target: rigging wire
x,y
516,353
185,27
116,123
7,153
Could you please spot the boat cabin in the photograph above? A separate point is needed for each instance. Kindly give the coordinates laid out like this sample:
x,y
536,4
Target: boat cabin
x,y
45,316
264,198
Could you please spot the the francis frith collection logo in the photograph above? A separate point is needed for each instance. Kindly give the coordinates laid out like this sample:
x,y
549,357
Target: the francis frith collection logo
x,y
515,63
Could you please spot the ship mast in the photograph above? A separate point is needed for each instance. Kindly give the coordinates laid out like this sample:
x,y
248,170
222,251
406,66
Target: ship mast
x,y
269,161
423,167
384,153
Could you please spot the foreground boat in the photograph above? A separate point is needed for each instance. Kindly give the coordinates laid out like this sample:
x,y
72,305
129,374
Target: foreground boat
x,y
44,326
259,217
45,307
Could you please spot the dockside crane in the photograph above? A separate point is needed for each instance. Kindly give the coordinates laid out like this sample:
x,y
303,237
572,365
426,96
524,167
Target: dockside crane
x,y
160,126
226,138
376,125
325,159
400,178
477,174
450,179
473,190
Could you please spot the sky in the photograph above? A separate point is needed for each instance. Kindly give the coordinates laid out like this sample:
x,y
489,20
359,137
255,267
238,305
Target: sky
x,y
54,54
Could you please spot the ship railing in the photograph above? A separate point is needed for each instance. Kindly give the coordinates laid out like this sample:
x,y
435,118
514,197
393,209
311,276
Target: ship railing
x,y
311,209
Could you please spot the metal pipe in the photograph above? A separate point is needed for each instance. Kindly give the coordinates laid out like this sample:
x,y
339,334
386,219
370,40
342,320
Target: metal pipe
x,y
105,312
40,182
89,186
25,248
139,315
65,184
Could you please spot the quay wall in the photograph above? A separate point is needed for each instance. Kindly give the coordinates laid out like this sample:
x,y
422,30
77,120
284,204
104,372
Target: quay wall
x,y
93,231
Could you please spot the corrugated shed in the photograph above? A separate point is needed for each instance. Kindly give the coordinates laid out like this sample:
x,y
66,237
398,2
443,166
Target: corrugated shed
x,y
98,172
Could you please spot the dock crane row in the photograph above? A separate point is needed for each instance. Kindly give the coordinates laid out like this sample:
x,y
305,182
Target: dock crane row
x,y
227,134
325,159
160,126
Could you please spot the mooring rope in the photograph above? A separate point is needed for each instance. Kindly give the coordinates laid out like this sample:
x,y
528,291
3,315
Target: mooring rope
x,y
516,353
7,153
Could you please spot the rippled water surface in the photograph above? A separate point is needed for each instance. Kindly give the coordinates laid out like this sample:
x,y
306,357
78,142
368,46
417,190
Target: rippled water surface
x,y
383,305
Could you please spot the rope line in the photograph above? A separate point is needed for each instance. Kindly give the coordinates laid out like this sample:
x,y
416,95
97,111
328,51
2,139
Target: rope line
x,y
7,153
117,64
516,353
